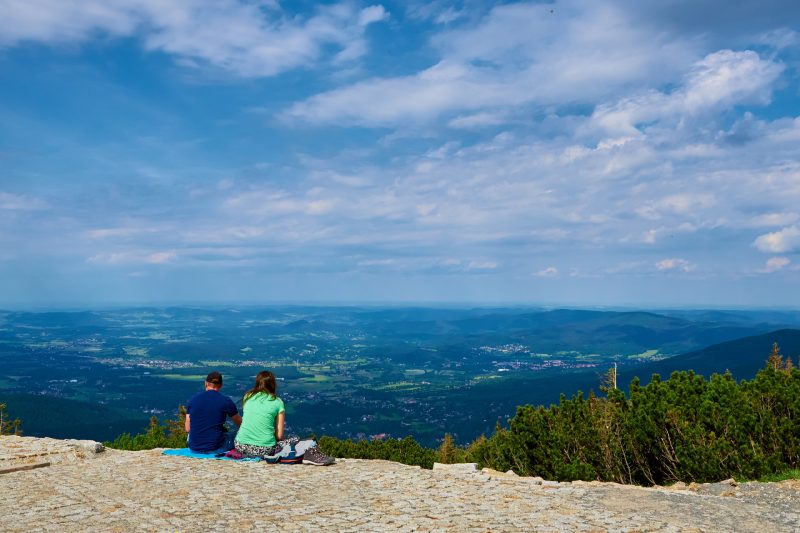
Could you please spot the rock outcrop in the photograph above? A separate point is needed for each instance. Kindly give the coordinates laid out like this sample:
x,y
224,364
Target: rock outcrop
x,y
83,488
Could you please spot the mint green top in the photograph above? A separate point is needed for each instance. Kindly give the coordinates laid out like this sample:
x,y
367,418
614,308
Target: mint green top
x,y
258,419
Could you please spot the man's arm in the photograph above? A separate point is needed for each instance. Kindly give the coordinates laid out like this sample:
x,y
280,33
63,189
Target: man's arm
x,y
279,422
233,412
186,423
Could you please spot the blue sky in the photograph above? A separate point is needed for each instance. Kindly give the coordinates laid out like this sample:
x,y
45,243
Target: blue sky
x,y
568,153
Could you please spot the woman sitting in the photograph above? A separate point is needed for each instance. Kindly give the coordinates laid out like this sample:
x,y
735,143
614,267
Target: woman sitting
x,y
263,420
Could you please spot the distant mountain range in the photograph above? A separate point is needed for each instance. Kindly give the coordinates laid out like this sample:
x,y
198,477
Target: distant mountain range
x,y
743,357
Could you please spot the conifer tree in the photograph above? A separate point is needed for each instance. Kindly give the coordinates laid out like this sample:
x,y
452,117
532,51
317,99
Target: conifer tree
x,y
775,359
447,450
8,426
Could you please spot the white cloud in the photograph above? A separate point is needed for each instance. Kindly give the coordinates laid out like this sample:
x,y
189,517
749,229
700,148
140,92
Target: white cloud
x,y
371,14
276,203
110,258
718,81
774,219
228,34
438,11
785,240
482,265
775,264
549,272
117,233
378,263
133,257
675,204
478,120
649,236
518,54
675,264
159,258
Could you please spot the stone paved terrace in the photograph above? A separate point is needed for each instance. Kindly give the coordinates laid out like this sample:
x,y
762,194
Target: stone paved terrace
x,y
146,491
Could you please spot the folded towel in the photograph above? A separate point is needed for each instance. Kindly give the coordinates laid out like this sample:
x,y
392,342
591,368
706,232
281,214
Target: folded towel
x,y
186,452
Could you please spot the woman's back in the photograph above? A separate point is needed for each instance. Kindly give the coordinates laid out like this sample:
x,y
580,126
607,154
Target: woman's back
x,y
258,419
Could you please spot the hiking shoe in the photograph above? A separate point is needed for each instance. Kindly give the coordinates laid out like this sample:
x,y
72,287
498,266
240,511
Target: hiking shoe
x,y
314,456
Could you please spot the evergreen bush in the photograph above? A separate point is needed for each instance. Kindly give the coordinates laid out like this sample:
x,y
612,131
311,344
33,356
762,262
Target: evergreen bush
x,y
170,435
406,451
684,428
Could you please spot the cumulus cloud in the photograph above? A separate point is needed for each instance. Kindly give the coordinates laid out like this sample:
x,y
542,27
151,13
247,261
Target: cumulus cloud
x,y
774,219
242,37
159,258
775,264
549,272
371,14
676,264
785,240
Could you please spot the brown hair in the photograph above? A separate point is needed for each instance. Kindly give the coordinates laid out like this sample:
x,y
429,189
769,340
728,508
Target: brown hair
x,y
265,382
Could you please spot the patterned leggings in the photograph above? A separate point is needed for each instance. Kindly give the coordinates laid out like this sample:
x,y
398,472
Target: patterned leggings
x,y
251,450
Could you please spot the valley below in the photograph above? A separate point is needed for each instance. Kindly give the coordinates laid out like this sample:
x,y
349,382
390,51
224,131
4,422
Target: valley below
x,y
356,372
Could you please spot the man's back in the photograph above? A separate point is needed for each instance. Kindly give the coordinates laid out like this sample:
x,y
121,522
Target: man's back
x,y
208,411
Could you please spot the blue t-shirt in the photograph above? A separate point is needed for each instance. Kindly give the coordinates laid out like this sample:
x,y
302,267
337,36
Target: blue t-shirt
x,y
207,412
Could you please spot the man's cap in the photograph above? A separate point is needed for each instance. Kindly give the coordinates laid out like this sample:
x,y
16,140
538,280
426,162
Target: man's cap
x,y
214,377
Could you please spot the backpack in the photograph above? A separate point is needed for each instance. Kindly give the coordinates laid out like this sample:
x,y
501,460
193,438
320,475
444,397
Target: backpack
x,y
287,455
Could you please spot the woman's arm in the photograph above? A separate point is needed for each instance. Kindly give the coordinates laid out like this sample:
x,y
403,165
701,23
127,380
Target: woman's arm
x,y
279,421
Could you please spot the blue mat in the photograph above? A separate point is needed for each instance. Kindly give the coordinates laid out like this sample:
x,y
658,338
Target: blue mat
x,y
186,452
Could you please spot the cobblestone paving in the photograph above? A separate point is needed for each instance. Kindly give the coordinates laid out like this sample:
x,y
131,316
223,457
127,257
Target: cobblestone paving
x,y
146,491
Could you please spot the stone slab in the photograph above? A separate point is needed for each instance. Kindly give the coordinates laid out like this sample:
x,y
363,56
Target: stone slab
x,y
16,451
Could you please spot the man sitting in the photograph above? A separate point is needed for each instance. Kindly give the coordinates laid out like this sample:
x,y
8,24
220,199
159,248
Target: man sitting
x,y
206,413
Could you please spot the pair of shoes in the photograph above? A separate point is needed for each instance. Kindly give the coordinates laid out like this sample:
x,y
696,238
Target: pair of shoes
x,y
314,456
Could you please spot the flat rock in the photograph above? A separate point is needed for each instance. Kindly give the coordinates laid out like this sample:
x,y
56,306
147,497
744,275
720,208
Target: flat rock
x,y
16,451
457,468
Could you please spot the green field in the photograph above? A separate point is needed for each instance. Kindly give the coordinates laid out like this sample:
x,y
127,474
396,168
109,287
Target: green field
x,y
648,354
318,378
183,377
